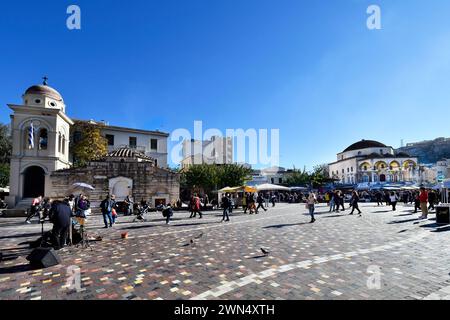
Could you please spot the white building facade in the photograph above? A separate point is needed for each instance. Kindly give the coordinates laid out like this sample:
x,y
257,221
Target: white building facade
x,y
369,161
151,143
218,150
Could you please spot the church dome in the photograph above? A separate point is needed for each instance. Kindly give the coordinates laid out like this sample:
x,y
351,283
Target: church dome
x,y
129,154
45,90
365,144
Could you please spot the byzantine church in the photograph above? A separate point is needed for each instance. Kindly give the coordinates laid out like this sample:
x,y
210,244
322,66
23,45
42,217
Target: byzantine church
x,y
41,161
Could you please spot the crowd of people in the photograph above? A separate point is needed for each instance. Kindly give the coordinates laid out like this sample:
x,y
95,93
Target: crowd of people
x,y
60,213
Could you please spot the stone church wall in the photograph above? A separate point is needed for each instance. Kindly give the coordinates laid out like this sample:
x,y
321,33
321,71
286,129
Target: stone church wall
x,y
149,182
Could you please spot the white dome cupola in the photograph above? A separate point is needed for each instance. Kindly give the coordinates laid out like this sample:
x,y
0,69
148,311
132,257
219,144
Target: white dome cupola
x,y
43,96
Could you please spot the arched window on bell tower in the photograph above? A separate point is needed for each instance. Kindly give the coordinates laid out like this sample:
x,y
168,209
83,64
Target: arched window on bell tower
x,y
43,139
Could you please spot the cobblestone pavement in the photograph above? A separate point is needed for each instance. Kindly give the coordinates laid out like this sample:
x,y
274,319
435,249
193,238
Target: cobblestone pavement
x,y
335,258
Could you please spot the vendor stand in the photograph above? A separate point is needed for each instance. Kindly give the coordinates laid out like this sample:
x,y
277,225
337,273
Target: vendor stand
x,y
443,209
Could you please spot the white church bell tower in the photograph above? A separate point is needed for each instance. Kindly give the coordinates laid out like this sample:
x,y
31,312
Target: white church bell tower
x,y
40,134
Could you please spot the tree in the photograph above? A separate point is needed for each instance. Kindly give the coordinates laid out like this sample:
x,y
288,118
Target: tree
x,y
4,174
5,154
232,175
209,177
5,144
320,176
298,178
200,177
90,146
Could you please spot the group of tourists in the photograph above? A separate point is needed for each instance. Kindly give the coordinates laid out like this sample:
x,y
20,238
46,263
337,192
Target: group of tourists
x,y
424,200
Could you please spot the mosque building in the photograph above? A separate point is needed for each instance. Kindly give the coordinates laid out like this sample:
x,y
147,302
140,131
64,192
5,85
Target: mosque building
x,y
369,161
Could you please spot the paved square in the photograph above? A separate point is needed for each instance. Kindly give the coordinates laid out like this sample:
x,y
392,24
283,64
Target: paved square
x,y
381,255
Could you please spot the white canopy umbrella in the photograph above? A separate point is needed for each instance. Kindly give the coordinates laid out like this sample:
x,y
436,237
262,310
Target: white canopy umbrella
x,y
271,187
80,186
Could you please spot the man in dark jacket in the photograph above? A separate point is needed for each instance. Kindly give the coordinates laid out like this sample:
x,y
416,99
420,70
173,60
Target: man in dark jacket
x,y
260,201
106,206
60,214
226,202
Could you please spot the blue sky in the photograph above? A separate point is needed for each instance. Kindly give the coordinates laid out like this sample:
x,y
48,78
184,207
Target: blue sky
x,y
309,68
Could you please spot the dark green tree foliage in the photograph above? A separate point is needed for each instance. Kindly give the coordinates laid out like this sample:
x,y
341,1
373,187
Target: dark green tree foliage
x,y
208,178
5,154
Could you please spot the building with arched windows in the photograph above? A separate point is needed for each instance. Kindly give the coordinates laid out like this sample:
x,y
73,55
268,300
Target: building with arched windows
x,y
41,159
369,161
40,131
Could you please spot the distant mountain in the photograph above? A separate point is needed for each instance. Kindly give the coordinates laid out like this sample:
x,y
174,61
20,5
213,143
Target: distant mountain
x,y
428,151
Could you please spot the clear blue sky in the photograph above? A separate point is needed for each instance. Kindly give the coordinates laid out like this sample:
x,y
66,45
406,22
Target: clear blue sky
x,y
310,68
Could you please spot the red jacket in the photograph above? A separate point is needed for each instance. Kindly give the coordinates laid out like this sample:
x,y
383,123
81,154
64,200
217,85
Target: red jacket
x,y
423,197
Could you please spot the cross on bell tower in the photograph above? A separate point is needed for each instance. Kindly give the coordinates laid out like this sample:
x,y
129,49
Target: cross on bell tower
x,y
45,78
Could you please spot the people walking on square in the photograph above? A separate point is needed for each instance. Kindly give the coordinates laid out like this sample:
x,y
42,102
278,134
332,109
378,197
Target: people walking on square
x,y
226,202
387,198
311,204
354,202
106,207
340,203
129,205
244,203
416,202
260,200
191,207
423,198
34,209
196,207
333,198
431,200
273,198
251,203
168,213
393,199
379,198
232,204
114,216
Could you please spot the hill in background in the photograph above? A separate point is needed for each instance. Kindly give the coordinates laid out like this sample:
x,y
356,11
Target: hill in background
x,y
429,151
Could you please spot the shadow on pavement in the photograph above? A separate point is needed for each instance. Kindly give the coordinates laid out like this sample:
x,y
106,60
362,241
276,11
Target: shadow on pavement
x,y
24,235
336,216
279,226
442,229
258,257
404,215
17,269
403,221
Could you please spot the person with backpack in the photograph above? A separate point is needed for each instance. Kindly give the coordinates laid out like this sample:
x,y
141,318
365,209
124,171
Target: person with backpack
x,y
107,206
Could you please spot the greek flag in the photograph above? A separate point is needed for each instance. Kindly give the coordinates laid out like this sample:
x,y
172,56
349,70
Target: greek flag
x,y
31,136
